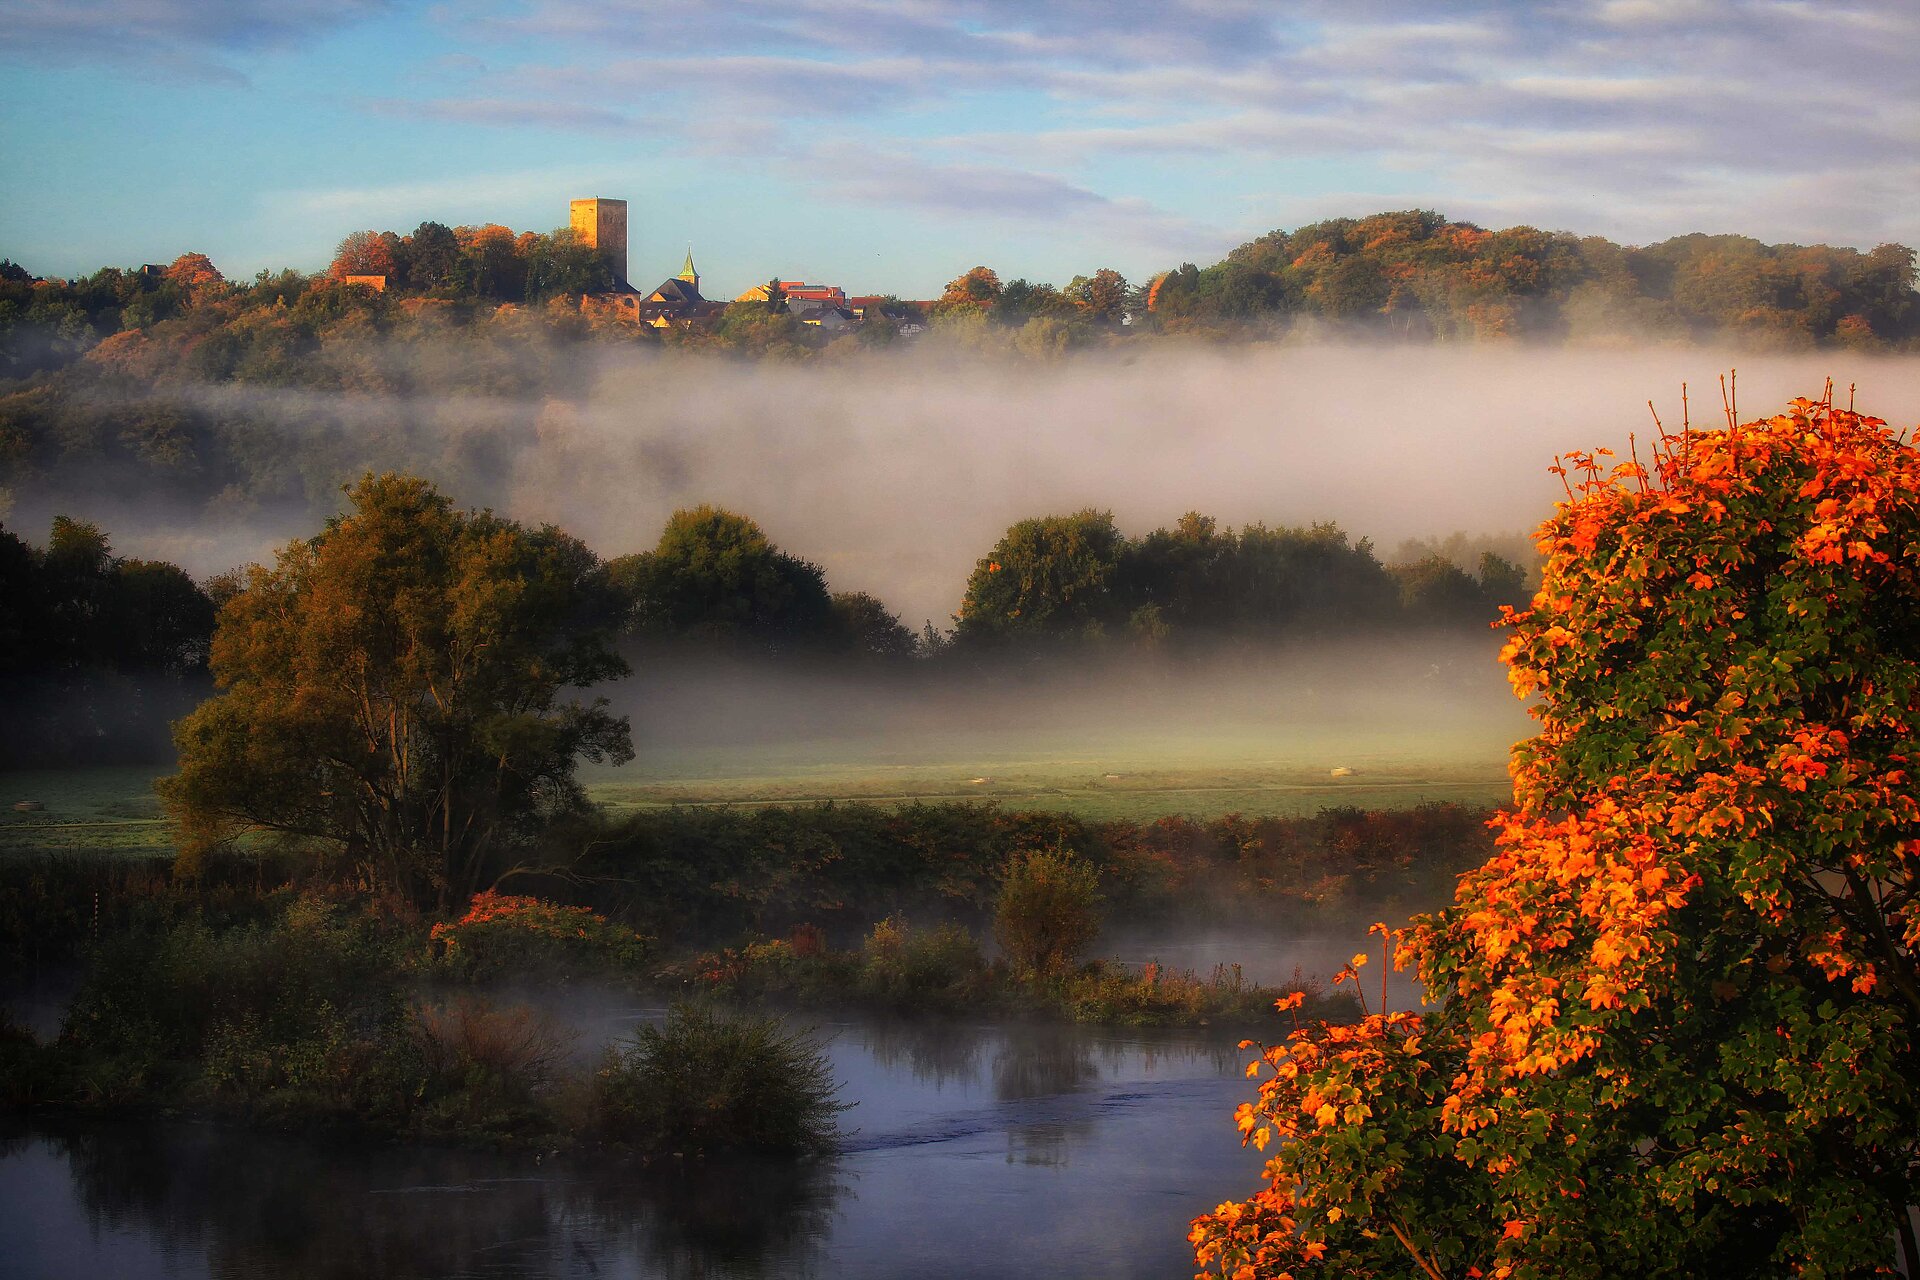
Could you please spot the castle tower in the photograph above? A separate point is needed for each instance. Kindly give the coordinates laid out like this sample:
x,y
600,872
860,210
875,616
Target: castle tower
x,y
602,224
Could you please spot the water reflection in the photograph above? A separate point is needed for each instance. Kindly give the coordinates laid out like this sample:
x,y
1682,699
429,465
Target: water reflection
x,y
243,1204
980,1151
1041,1061
938,1053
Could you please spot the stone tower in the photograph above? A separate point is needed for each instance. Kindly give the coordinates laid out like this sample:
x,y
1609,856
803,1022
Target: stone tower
x,y
602,224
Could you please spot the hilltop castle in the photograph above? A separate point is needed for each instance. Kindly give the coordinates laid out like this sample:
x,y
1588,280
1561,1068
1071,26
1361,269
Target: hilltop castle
x,y
601,224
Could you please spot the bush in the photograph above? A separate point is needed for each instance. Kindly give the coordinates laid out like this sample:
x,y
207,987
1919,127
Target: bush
x,y
160,997
706,1083
1048,911
937,968
1153,996
501,934
487,1071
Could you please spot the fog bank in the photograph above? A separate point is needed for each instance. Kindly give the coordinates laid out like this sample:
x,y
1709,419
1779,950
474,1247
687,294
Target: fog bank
x,y
895,472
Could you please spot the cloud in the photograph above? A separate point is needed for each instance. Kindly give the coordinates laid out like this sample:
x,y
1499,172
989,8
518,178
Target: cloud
x,y
403,204
184,38
505,113
863,175
1611,110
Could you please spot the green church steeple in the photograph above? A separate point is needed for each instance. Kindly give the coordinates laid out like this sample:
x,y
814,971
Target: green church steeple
x,y
689,273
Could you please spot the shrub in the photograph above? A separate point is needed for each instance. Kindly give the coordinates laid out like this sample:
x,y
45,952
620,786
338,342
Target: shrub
x,y
918,968
1047,912
487,1071
501,934
706,1083
1153,996
162,993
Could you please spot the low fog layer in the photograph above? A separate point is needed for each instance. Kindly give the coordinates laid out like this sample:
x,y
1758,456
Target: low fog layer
x,y
1404,719
896,472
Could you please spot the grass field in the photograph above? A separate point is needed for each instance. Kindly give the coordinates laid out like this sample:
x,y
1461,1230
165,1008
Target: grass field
x,y
1139,777
101,810
1258,740
1134,774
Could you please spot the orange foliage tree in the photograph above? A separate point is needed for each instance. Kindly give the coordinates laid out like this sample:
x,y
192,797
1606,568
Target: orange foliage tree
x,y
978,287
364,253
1676,1024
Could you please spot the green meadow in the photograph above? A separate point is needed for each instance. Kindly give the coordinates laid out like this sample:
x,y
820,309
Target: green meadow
x,y
1135,775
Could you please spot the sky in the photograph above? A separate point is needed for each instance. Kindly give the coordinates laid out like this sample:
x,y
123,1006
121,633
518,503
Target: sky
x,y
888,145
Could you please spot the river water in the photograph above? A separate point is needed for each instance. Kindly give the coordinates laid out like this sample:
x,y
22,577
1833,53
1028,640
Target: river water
x,y
973,1151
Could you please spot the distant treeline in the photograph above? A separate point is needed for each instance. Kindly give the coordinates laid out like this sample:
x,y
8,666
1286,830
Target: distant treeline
x,y
1409,275
1417,275
184,387
98,654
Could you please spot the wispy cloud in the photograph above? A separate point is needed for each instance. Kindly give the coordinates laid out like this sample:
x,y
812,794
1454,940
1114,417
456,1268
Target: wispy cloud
x,y
864,175
189,38
1632,118
505,112
402,204
1644,110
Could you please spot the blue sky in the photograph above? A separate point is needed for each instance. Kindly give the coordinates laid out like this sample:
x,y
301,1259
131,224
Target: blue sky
x,y
887,145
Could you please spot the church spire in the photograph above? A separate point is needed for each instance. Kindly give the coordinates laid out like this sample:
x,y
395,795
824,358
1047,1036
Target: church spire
x,y
688,272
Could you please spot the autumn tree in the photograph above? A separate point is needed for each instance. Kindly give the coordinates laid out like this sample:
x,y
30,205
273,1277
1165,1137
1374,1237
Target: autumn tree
x,y
364,253
194,271
390,693
1102,295
978,287
1677,1009
492,264
1047,911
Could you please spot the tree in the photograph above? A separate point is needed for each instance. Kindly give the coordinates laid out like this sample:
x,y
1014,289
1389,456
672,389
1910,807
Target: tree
x,y
492,264
194,271
1103,295
979,287
1048,910
363,253
1677,1030
562,265
1053,576
868,629
715,577
390,691
430,258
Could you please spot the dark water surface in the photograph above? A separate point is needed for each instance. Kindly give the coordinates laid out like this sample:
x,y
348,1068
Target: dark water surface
x,y
974,1151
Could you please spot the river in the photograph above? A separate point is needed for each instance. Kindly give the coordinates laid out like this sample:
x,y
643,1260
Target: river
x,y
973,1150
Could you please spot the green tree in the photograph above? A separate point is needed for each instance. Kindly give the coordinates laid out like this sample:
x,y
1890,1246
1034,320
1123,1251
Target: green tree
x,y
390,691
1436,591
562,265
1676,1030
430,258
868,629
715,577
1050,577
